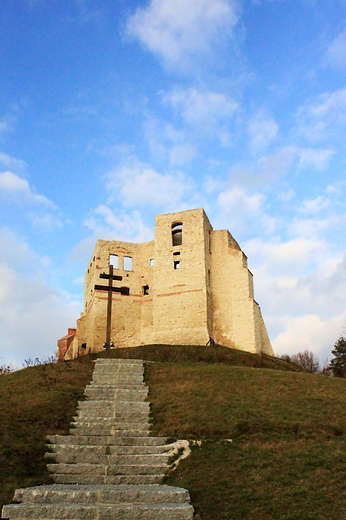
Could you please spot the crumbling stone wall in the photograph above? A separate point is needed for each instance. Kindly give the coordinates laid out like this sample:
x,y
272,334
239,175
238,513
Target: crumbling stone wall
x,y
188,285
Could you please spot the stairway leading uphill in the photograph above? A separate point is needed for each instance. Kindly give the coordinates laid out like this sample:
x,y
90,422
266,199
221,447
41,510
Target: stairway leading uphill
x,y
108,467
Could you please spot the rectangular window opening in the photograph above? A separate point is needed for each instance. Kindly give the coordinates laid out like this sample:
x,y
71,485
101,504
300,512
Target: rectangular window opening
x,y
151,262
127,263
145,290
176,264
114,261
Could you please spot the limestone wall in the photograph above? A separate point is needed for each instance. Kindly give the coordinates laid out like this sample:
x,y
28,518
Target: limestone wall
x,y
180,295
190,284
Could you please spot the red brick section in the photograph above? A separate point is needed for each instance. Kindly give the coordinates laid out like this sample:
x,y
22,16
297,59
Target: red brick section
x,y
179,292
65,342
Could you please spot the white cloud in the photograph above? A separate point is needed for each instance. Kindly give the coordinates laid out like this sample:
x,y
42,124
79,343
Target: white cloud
x,y
324,117
242,208
310,332
281,259
116,225
335,55
315,205
265,170
262,131
12,163
182,154
317,158
198,107
301,286
33,315
140,185
4,127
180,32
12,184
313,226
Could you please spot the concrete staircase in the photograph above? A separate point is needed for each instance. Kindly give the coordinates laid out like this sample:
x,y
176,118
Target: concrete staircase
x,y
108,467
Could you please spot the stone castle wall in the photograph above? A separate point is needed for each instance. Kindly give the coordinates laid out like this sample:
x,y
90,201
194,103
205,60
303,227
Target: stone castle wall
x,y
188,285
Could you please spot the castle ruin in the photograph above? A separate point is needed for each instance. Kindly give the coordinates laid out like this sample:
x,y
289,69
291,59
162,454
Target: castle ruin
x,y
188,286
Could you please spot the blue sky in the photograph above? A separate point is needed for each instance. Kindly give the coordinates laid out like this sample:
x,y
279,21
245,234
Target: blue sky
x,y
113,111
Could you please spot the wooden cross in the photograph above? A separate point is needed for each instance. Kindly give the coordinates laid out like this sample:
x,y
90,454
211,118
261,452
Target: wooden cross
x,y
123,290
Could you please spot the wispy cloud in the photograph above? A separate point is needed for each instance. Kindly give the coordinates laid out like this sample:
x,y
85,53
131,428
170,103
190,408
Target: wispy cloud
x,y
201,107
11,163
325,117
335,55
19,188
180,33
140,185
110,224
262,131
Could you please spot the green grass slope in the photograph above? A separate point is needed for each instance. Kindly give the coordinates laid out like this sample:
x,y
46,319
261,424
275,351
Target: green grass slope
x,y
35,402
273,440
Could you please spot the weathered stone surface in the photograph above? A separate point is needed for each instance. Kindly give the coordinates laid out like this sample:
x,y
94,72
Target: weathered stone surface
x,y
108,440
100,512
180,292
108,479
102,494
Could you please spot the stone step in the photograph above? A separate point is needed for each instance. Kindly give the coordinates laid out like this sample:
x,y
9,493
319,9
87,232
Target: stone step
x,y
90,457
75,451
100,512
130,480
100,397
99,393
116,411
114,386
101,494
115,372
135,375
104,469
111,418
103,432
107,413
112,378
110,440
106,423
119,384
108,467
105,405
123,361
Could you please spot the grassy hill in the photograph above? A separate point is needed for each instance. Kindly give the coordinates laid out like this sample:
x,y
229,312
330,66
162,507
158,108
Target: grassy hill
x,y
273,438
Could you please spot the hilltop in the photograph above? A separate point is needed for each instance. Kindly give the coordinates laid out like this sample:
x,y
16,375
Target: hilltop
x,y
271,439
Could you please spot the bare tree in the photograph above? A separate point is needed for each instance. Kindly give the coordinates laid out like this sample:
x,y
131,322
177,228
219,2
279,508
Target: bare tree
x,y
286,357
306,360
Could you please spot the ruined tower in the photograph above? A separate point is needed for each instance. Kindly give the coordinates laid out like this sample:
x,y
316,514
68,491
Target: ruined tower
x,y
190,284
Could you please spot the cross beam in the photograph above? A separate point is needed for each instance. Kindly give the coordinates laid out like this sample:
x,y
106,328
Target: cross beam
x,y
110,289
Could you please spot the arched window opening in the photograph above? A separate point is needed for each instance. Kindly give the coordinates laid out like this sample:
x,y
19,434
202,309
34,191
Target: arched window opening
x,y
177,234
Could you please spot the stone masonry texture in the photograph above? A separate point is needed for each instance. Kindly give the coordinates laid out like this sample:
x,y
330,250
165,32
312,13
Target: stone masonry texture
x,y
190,284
